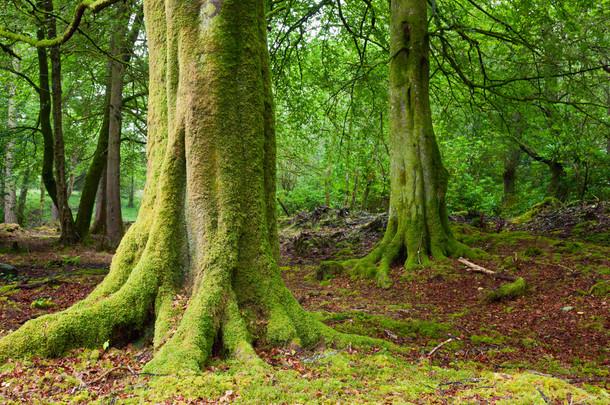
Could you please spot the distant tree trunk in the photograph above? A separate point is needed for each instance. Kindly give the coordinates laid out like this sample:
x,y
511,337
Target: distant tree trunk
x,y
131,192
558,186
511,162
97,166
45,119
99,219
69,236
54,212
327,183
10,198
418,225
114,218
42,194
354,190
23,194
367,190
347,189
73,162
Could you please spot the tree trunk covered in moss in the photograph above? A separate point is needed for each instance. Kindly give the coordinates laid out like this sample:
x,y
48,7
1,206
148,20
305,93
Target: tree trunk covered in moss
x,y
96,168
418,225
10,192
69,236
206,229
45,118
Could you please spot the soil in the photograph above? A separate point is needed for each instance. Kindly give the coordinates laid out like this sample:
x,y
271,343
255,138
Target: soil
x,y
557,327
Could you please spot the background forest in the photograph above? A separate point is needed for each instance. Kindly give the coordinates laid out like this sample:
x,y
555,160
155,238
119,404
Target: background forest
x,y
519,91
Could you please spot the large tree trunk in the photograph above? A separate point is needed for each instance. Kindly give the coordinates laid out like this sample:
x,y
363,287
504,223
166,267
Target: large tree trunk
x,y
418,225
208,218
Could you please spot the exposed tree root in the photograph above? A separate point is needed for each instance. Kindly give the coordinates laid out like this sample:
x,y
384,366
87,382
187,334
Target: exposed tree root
x,y
417,250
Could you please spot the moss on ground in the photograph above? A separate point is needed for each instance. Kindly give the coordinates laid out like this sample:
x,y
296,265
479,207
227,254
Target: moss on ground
x,y
508,291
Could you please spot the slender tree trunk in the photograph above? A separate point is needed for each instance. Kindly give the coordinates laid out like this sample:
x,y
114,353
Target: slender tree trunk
x,y
354,190
91,186
367,190
558,186
45,118
73,162
23,194
114,218
418,225
511,162
99,219
10,198
69,236
208,217
327,183
131,191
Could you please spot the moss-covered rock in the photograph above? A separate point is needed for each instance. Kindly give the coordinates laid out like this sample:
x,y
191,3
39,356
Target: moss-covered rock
x,y
544,205
7,271
329,269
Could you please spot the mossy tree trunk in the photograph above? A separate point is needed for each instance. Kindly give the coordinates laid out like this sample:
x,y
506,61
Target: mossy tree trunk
x,y
418,225
69,236
10,192
207,224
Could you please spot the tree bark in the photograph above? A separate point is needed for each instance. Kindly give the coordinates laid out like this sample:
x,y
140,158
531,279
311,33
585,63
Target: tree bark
x,y
511,162
10,192
69,236
114,217
45,118
99,219
23,193
91,185
418,226
208,217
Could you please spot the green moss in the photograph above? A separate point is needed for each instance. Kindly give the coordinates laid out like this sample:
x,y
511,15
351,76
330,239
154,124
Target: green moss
x,y
42,304
602,289
372,325
567,247
533,250
344,253
508,291
485,339
547,204
329,269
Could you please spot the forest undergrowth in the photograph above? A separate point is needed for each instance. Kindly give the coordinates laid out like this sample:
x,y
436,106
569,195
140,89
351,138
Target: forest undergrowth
x,y
458,338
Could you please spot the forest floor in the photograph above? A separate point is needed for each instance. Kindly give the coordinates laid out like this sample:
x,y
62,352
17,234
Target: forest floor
x,y
549,344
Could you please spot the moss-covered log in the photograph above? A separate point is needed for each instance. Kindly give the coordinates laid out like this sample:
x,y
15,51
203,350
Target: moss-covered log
x,y
418,225
207,224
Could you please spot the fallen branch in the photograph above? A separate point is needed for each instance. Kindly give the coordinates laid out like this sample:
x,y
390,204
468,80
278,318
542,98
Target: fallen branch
x,y
441,345
479,269
544,397
30,286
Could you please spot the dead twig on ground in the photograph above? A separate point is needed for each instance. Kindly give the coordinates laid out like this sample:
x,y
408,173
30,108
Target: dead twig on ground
x,y
480,269
441,345
544,397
